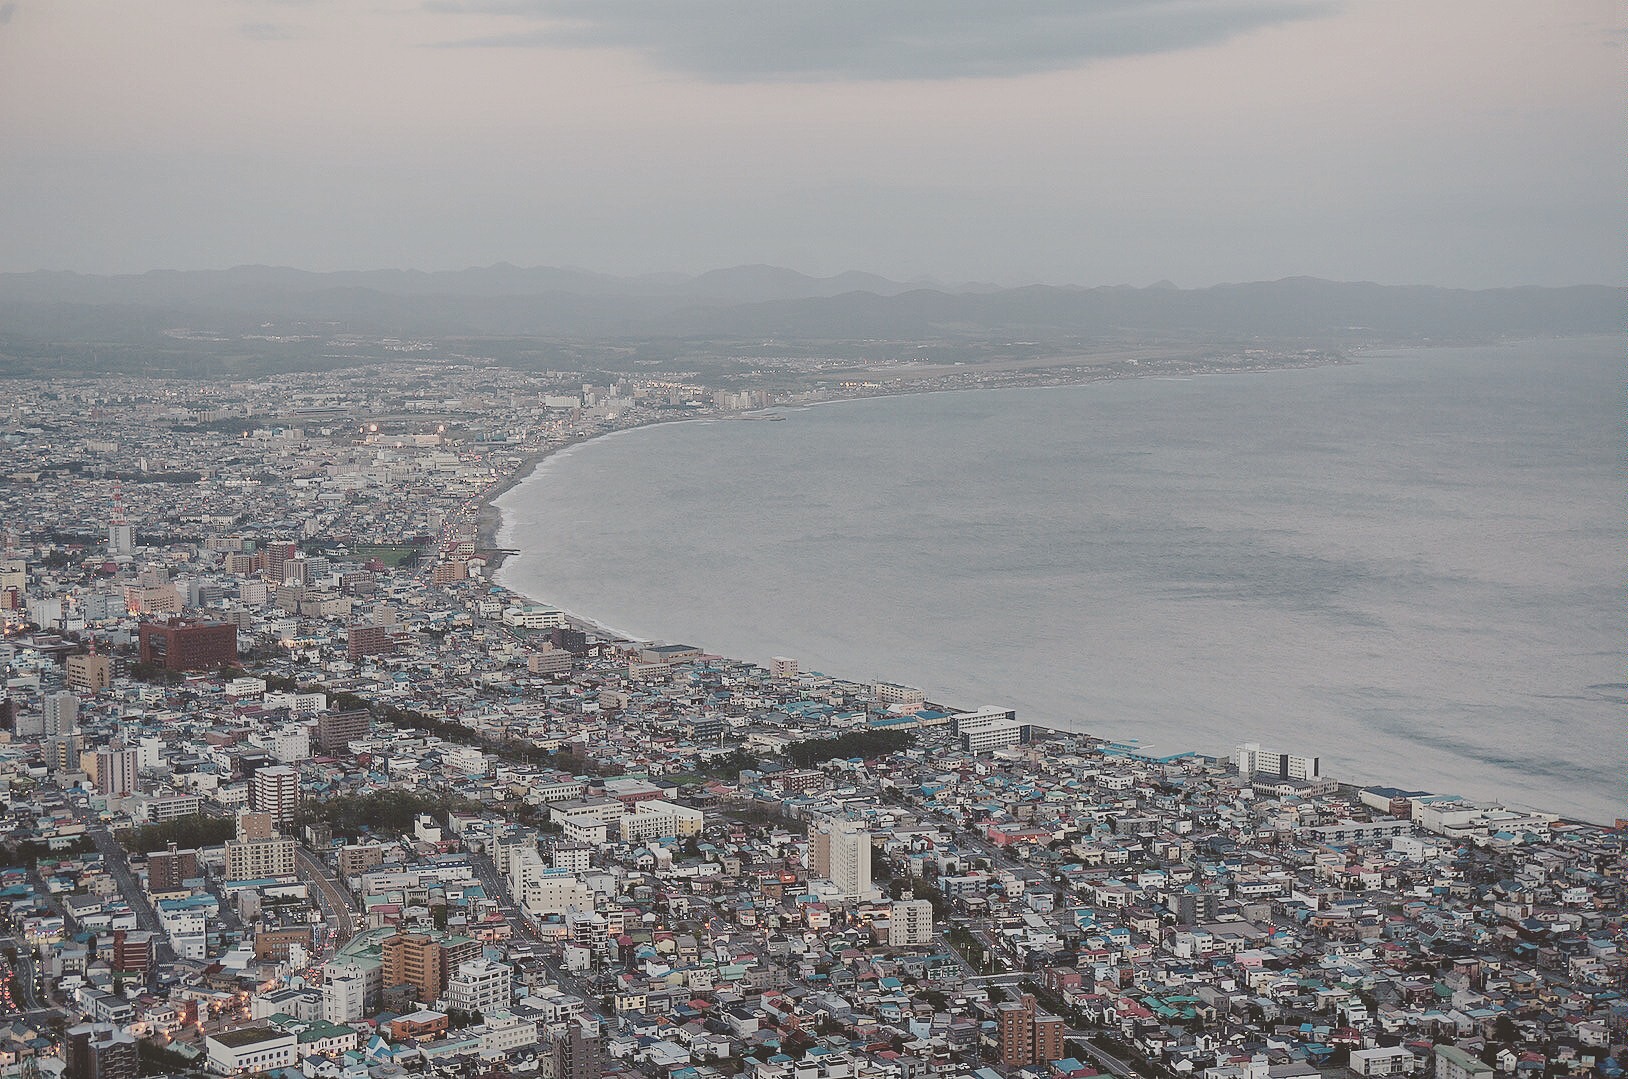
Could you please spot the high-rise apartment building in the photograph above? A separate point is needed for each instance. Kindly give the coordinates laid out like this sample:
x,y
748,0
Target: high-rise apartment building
x,y
167,870
275,790
100,1051
1026,1034
425,961
841,854
61,714
260,859
575,1048
368,639
480,985
253,825
116,768
336,730
63,753
910,923
132,951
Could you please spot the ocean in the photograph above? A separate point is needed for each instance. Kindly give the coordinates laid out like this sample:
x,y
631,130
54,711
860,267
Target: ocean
x,y
1411,566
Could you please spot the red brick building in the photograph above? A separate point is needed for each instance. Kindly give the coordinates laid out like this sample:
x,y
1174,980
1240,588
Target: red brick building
x,y
179,645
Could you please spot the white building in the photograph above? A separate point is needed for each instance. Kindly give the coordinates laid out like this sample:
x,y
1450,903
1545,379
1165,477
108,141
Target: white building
x,y
572,857
290,744
1392,1060
656,819
503,1033
465,760
344,996
989,728
910,923
535,616
542,890
187,930
840,852
252,1049
481,985
1251,760
1354,831
891,693
275,789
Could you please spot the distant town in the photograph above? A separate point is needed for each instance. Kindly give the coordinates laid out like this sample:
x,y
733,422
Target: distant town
x,y
294,789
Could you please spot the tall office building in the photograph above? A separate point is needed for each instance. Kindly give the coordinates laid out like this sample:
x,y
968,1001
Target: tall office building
x,y
89,673
179,645
841,854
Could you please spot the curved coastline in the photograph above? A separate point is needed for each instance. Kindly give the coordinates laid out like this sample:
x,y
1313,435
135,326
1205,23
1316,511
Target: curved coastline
x,y
494,530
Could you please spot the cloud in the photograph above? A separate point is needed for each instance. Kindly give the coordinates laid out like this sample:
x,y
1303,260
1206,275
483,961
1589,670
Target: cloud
x,y
831,40
266,31
6,12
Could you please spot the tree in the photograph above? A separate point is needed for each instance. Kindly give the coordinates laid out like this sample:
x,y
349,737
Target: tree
x,y
867,744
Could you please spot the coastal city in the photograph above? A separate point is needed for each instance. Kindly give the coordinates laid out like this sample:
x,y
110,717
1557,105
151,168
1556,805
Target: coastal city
x,y
294,787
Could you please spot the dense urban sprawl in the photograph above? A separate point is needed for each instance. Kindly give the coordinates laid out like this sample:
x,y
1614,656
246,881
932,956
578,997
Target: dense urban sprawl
x,y
292,788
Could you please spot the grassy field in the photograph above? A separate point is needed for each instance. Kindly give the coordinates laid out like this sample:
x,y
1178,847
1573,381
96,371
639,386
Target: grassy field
x,y
391,554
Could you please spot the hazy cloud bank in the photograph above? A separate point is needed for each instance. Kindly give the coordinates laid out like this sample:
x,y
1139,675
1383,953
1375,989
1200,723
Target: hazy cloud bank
x,y
834,40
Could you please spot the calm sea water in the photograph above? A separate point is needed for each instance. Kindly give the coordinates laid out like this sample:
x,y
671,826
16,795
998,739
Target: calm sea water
x,y
1411,566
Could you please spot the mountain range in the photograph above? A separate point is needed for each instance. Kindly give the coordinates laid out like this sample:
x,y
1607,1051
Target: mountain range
x,y
766,302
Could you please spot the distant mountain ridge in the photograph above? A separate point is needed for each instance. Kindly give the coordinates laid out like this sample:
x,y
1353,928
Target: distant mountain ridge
x,y
769,301
740,284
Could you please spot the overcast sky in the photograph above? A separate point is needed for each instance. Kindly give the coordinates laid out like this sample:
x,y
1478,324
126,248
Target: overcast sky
x,y
1456,142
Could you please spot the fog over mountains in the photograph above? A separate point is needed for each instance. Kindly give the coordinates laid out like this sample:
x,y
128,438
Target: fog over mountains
x,y
761,302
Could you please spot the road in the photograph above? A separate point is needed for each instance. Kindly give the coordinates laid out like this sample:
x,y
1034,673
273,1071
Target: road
x,y
1109,1063
27,972
497,888
118,865
329,892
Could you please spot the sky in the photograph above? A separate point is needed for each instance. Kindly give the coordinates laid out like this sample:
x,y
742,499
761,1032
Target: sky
x,y
1468,143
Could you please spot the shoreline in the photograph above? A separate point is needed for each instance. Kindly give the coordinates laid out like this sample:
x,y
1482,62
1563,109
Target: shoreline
x,y
490,518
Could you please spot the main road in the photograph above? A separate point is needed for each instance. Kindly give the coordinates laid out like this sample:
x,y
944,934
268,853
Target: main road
x,y
329,893
497,888
118,865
